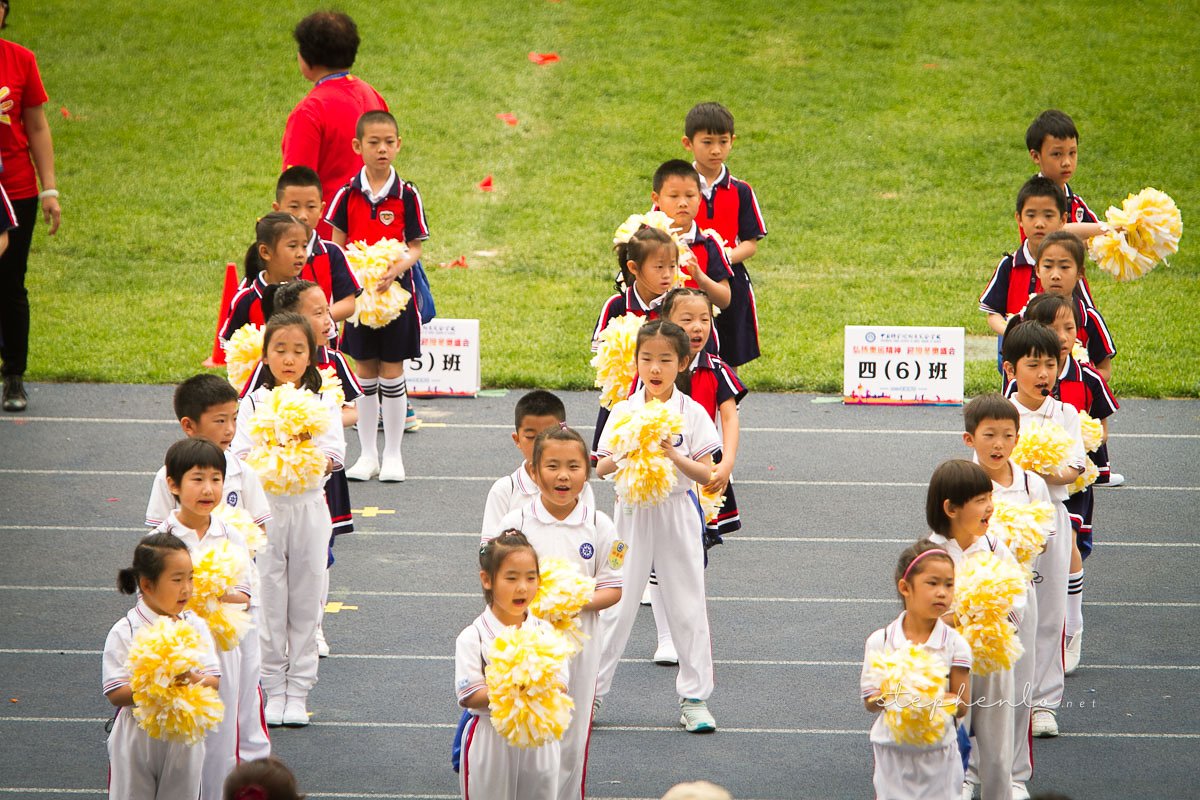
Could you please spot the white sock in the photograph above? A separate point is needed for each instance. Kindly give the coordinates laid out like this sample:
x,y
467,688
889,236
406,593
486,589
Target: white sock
x,y
1074,603
368,417
394,394
660,616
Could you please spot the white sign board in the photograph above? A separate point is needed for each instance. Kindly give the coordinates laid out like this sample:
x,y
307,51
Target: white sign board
x,y
903,366
449,362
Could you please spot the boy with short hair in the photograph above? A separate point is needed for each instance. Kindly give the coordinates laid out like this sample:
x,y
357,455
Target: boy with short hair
x,y
535,412
206,407
728,206
677,194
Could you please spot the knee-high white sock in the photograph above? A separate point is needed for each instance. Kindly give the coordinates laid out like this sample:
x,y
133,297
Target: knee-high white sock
x,y
1074,603
368,417
660,616
394,399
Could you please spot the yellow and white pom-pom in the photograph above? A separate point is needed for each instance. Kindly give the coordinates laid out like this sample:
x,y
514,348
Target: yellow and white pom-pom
x,y
615,360
1151,226
282,430
288,469
1023,527
239,519
912,681
529,704
1090,473
644,476
160,653
985,588
214,573
1080,353
331,386
369,263
1092,430
710,504
1043,447
562,593
243,351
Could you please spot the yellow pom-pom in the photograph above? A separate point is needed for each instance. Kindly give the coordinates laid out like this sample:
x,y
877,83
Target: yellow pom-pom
x,y
243,351
615,359
239,519
525,694
985,588
289,469
1093,432
369,263
562,593
1151,226
644,476
161,652
214,573
282,429
331,386
912,681
1090,473
1080,353
710,504
1023,527
1042,447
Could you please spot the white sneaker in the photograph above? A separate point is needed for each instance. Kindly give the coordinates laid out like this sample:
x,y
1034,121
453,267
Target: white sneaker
x,y
1114,479
392,470
322,645
665,655
1019,791
968,791
364,469
1045,723
274,710
695,718
295,712
646,595
1072,653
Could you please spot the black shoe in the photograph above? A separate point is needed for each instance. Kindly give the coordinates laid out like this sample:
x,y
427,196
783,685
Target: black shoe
x,y
15,398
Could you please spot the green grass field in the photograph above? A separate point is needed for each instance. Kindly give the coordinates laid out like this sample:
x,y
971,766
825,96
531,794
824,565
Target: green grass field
x,y
885,141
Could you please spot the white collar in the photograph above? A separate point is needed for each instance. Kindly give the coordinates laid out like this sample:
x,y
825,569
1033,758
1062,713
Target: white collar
x,y
706,188
387,185
188,535
937,637
542,514
524,483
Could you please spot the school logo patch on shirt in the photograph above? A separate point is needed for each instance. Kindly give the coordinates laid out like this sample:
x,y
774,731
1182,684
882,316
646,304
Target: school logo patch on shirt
x,y
617,557
586,550
463,683
231,499
387,217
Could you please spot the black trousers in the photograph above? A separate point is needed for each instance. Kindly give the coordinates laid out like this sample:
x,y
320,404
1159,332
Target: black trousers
x,y
14,300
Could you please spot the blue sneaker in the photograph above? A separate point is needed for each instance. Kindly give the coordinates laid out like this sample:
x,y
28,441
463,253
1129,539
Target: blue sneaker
x,y
411,421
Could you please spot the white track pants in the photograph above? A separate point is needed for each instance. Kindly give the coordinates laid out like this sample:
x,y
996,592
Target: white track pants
x,y
253,740
1053,566
220,745
1023,691
990,720
582,688
142,768
492,769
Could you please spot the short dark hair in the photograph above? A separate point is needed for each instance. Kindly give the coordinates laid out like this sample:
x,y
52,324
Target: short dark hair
x,y
1039,186
494,552
327,39
190,453
1023,339
1069,242
268,774
1053,123
199,393
709,118
374,118
298,175
1045,309
149,560
992,405
561,434
675,168
957,480
909,555
539,403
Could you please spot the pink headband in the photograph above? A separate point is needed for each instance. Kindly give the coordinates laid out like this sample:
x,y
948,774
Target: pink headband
x,y
913,563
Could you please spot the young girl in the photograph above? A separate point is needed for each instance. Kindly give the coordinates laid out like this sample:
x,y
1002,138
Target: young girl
x,y
558,524
140,767
196,478
925,580
1060,260
491,768
277,256
294,560
958,506
665,536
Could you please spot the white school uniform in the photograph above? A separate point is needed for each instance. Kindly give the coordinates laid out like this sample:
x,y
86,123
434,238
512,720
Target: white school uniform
x,y
514,492
221,743
1054,565
587,539
292,564
491,768
1026,487
242,490
667,538
141,767
911,772
990,718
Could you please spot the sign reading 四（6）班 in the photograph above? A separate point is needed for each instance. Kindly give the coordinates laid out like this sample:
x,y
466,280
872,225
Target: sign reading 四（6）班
x,y
903,366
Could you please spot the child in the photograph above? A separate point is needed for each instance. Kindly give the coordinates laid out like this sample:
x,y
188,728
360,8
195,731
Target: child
x,y
277,256
664,536
957,508
729,207
992,425
925,581
677,194
1060,271
562,524
536,411
375,205
196,477
1031,352
298,192
262,779
140,767
207,406
491,767
294,560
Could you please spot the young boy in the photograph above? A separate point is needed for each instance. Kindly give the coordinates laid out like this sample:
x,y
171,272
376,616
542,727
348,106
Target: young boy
x,y
677,194
375,205
992,425
536,411
1031,360
729,207
206,407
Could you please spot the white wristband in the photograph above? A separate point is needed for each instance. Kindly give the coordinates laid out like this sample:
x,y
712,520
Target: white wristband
x,y
42,195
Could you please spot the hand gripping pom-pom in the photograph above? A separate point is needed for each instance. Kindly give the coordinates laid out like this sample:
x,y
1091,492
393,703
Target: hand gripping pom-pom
x,y
524,678
240,520
710,504
985,588
1043,447
1023,527
562,593
645,476
282,429
214,573
1150,227
912,682
1090,473
243,351
369,263
615,359
163,708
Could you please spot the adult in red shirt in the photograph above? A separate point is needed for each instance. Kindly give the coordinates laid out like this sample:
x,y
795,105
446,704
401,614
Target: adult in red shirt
x,y
320,128
24,132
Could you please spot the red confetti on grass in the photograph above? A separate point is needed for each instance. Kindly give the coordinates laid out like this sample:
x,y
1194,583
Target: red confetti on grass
x,y
66,114
460,263
487,185
507,118
542,59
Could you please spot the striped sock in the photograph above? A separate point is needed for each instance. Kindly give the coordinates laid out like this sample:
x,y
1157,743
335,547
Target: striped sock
x,y
1074,603
368,417
394,392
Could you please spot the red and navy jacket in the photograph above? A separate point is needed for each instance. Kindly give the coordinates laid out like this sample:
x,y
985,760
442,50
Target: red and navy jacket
x,y
1082,388
326,357
1077,211
246,306
628,302
327,267
1013,281
399,214
710,256
713,382
1094,333
731,209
